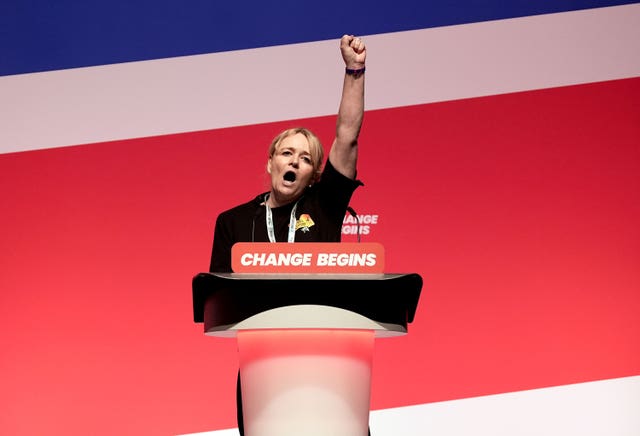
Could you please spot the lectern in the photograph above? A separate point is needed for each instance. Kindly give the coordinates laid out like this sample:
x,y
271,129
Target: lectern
x,y
305,343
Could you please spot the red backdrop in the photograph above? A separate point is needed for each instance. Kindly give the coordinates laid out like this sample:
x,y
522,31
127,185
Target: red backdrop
x,y
520,211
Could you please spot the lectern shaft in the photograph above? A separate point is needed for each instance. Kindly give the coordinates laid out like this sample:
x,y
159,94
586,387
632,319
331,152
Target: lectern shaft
x,y
306,382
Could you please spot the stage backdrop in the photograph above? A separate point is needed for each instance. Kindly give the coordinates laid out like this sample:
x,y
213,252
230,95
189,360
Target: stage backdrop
x,y
501,160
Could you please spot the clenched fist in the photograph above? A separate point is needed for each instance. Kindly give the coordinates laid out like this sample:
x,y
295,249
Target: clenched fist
x,y
353,52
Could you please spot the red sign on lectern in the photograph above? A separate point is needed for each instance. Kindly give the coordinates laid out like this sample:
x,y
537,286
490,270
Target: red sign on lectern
x,y
316,257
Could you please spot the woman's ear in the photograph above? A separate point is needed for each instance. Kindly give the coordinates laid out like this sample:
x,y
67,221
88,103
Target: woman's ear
x,y
269,166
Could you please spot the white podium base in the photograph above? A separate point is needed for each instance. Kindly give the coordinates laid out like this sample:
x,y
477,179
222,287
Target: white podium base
x,y
305,382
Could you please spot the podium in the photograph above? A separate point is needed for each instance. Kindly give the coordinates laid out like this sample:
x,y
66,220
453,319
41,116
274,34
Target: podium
x,y
305,343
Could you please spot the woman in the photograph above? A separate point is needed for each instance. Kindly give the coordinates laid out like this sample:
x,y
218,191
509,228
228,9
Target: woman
x,y
304,204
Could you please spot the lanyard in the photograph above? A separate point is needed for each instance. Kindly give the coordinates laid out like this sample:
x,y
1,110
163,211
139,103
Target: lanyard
x,y
292,222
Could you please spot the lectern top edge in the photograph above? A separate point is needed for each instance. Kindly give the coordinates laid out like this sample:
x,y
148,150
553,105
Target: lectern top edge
x,y
305,276
227,298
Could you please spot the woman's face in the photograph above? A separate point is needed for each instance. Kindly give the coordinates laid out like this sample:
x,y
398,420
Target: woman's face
x,y
291,170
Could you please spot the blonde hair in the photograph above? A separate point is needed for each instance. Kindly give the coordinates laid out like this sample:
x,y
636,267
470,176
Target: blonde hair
x,y
315,147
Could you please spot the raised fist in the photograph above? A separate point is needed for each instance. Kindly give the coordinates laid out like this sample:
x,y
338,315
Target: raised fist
x,y
353,52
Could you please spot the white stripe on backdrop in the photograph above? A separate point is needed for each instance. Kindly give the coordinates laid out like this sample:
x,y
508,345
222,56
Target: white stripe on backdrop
x,y
139,99
607,407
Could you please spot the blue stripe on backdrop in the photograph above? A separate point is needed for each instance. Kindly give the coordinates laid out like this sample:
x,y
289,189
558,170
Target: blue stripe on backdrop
x,y
44,35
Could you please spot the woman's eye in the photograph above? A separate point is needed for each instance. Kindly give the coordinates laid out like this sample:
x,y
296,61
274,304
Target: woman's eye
x,y
307,159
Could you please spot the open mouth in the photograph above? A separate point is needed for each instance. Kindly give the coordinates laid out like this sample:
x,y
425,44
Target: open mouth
x,y
290,176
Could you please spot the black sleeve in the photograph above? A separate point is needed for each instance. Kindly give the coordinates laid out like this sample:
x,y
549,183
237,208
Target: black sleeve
x,y
335,192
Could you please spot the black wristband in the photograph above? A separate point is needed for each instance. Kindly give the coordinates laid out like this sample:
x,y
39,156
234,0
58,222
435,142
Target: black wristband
x,y
354,73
